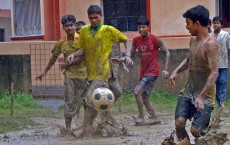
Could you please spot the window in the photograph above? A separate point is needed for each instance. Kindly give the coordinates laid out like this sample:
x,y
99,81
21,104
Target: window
x,y
27,17
224,11
2,35
125,12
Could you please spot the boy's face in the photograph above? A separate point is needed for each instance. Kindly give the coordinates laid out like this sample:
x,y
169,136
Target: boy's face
x,y
95,19
78,28
191,26
143,30
69,28
217,25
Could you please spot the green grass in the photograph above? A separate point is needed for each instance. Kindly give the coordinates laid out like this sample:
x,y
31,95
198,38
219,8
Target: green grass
x,y
162,102
24,107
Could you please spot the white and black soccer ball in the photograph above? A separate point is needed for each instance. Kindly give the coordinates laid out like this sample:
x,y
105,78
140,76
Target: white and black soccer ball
x,y
102,99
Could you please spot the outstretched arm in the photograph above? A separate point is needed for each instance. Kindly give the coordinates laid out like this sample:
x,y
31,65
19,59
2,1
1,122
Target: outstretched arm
x,y
49,65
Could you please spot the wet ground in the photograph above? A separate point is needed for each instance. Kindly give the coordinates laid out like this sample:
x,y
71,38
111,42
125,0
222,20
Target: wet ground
x,y
53,104
49,134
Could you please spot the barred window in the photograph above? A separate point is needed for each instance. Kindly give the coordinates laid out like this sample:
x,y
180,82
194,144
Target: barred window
x,y
125,12
224,11
27,17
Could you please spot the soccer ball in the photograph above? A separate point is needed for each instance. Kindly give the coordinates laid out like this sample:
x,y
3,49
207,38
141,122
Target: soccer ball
x,y
102,99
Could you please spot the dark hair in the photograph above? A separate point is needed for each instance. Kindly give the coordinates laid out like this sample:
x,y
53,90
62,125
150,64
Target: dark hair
x,y
198,13
218,18
143,21
94,9
80,23
210,22
68,18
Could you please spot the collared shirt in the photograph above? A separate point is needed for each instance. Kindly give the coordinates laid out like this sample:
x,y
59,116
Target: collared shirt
x,y
63,46
97,49
223,40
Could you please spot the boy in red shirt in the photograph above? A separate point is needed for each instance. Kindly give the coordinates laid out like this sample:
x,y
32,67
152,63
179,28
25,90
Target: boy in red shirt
x,y
148,46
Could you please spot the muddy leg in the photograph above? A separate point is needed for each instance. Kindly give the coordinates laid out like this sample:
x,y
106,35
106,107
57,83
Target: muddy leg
x,y
180,128
149,107
109,124
88,120
79,106
68,124
137,93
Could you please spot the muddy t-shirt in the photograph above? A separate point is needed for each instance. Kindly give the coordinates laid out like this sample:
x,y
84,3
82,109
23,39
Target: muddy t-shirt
x,y
97,49
62,46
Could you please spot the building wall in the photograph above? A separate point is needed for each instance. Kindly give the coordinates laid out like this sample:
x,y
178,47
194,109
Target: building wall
x,y
5,23
167,19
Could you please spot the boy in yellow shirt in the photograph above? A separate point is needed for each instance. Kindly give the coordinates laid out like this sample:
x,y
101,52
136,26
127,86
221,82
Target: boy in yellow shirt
x,y
96,42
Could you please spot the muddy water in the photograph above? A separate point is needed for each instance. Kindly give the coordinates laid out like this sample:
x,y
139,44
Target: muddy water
x,y
48,133
53,104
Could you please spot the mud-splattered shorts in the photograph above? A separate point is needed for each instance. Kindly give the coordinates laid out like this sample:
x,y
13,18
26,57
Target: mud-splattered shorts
x,y
74,90
186,109
115,87
147,82
114,84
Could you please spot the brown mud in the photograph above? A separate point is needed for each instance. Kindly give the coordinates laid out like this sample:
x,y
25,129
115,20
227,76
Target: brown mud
x,y
49,132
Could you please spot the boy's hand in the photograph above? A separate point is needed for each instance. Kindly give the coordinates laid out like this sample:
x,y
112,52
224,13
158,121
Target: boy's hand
x,y
172,79
165,73
40,76
70,58
128,60
118,60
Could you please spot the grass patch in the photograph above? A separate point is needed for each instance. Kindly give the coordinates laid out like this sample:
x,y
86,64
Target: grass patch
x,y
162,102
25,107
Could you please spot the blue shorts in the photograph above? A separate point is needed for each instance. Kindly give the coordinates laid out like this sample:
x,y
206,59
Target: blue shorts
x,y
147,82
186,109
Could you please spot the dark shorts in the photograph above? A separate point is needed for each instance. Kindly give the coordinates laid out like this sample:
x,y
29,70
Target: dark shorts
x,y
186,109
147,83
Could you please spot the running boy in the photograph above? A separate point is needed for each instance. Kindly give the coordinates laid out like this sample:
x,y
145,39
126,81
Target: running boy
x,y
197,99
148,46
